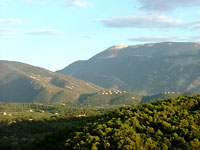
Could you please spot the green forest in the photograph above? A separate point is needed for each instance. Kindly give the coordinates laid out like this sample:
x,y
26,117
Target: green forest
x,y
167,124
170,124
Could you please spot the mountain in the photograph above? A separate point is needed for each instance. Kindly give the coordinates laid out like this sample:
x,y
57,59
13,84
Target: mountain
x,y
21,82
147,68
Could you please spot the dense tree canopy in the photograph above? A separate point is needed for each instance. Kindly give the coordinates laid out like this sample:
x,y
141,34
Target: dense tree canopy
x,y
170,124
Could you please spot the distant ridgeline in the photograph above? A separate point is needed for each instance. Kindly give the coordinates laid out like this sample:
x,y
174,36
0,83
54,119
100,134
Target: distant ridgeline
x,y
25,83
147,68
109,98
123,98
166,95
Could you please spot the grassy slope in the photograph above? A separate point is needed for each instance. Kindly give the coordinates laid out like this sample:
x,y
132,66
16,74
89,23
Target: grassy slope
x,y
25,83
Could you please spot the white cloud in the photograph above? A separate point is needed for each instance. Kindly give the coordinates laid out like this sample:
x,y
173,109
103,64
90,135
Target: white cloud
x,y
157,38
46,32
80,3
2,1
167,5
7,32
165,38
87,36
142,21
10,21
194,25
153,21
30,1
74,3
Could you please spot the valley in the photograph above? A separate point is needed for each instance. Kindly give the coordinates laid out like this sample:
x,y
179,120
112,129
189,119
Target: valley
x,y
126,97
99,75
164,124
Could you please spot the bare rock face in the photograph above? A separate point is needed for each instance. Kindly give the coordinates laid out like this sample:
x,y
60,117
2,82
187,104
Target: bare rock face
x,y
118,47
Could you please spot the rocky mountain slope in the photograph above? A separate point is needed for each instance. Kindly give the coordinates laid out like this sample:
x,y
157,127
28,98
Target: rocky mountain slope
x,y
149,68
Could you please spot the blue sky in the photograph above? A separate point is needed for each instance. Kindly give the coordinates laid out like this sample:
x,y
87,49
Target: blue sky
x,y
54,33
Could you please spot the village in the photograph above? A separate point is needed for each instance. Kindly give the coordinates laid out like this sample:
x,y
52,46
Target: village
x,y
111,92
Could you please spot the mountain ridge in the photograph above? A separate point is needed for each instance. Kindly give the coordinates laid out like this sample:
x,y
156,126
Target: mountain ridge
x,y
21,82
146,68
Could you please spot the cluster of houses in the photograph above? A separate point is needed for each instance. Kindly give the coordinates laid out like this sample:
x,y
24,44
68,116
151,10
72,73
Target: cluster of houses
x,y
81,115
7,114
111,92
15,114
41,111
171,92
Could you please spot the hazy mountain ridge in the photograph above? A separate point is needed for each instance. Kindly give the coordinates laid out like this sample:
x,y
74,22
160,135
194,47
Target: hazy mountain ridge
x,y
148,68
21,82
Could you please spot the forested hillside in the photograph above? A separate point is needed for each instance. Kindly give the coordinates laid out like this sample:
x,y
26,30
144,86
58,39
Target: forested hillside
x,y
109,98
170,124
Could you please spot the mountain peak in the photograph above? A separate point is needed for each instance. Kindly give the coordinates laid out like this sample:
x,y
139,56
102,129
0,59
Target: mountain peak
x,y
118,47
143,68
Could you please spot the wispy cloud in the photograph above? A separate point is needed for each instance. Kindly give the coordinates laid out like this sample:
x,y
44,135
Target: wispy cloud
x,y
142,21
165,38
157,38
36,1
73,3
45,32
10,21
10,34
194,25
7,32
167,5
2,1
80,3
87,36
153,21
